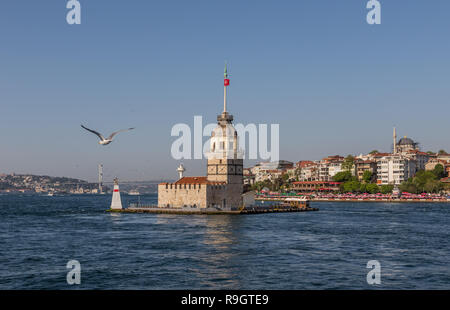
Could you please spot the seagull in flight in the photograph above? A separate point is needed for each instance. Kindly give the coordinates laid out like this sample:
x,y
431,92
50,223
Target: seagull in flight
x,y
108,140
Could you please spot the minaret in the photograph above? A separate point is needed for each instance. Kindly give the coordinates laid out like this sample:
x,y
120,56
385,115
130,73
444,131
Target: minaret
x,y
116,203
181,170
395,141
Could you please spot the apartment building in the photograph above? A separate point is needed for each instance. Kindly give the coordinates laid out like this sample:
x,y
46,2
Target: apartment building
x,y
395,169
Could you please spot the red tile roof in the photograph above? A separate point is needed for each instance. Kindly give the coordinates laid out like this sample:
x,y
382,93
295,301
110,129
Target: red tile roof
x,y
306,163
418,152
381,154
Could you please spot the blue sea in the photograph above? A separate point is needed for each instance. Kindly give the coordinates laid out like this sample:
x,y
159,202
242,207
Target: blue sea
x,y
328,249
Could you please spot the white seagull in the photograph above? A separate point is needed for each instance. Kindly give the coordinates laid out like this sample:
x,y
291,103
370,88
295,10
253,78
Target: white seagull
x,y
108,140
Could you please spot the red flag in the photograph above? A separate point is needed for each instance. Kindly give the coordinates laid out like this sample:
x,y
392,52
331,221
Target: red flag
x,y
226,82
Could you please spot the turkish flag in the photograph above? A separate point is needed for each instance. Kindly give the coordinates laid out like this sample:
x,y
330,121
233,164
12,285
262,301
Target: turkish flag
x,y
226,82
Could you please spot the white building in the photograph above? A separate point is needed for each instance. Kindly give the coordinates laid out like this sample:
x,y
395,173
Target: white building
x,y
421,158
329,167
395,169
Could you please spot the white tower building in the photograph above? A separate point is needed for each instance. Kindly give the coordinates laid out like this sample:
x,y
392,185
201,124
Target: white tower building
x,y
116,202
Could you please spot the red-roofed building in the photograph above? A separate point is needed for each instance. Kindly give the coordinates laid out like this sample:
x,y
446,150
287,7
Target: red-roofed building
x,y
315,186
329,167
309,170
446,180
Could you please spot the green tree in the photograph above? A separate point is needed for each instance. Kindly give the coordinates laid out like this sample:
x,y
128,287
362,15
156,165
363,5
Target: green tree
x,y
408,186
424,181
433,186
374,152
367,176
442,152
372,188
351,186
348,163
343,176
421,178
386,189
363,188
439,171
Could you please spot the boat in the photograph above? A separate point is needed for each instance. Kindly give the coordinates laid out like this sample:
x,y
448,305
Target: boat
x,y
134,192
297,202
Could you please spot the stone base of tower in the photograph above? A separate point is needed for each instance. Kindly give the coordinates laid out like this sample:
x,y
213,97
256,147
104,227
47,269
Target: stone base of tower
x,y
199,192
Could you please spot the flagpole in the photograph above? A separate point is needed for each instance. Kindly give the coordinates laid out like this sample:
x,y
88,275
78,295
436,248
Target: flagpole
x,y
226,82
224,99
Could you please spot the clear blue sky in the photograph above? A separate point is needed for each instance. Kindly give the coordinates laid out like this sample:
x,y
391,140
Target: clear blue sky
x,y
335,84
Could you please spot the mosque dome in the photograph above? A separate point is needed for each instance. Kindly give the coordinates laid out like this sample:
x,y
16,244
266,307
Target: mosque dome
x,y
406,141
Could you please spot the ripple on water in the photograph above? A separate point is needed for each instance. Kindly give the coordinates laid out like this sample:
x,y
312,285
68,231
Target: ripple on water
x,y
328,249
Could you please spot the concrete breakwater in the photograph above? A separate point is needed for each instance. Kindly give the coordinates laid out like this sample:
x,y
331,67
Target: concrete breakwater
x,y
212,211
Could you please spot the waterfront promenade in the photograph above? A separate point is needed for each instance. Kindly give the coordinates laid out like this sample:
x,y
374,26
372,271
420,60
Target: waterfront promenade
x,y
362,198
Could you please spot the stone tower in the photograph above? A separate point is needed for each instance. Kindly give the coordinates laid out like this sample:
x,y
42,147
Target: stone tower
x,y
225,163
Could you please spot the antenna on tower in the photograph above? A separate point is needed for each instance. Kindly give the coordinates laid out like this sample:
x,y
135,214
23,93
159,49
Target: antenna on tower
x,y
100,178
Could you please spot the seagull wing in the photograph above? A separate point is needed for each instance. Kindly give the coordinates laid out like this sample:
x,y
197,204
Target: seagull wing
x,y
94,132
116,132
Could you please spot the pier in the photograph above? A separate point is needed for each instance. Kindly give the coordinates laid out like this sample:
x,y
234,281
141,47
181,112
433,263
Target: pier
x,y
254,209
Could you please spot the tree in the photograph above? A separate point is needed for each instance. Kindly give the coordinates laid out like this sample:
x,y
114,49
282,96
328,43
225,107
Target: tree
x,y
408,186
348,163
433,186
351,186
424,181
439,171
367,176
374,152
372,188
343,176
386,189
442,152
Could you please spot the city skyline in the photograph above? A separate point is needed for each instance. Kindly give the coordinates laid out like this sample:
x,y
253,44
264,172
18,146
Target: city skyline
x,y
335,84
